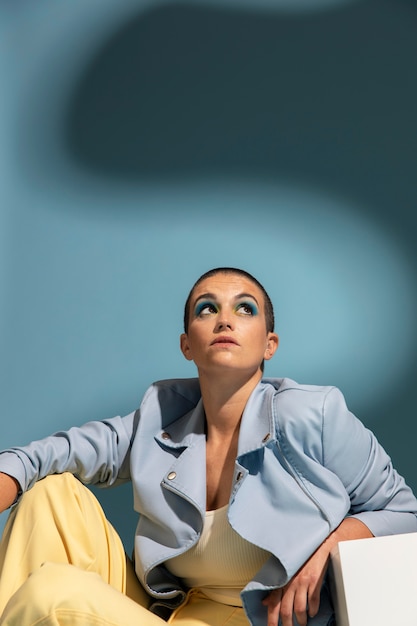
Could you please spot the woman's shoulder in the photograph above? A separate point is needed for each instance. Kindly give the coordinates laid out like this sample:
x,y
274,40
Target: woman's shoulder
x,y
287,389
304,408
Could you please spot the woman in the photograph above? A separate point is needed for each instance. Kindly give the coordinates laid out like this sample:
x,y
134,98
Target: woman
x,y
242,485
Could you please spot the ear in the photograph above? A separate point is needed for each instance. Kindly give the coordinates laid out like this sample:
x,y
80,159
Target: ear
x,y
185,347
272,346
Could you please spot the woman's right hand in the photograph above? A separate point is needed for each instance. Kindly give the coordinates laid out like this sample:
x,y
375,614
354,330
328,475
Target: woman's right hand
x,y
9,488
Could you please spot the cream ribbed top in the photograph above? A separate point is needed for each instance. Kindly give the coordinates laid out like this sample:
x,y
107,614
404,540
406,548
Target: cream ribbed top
x,y
221,563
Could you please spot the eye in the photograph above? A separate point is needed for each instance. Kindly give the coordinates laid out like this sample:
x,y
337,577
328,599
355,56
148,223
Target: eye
x,y
205,308
246,308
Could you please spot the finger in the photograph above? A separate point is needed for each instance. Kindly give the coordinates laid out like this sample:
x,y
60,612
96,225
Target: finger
x,y
300,609
273,602
286,612
314,601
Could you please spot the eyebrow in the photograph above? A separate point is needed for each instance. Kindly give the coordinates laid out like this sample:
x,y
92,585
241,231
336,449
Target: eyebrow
x,y
212,296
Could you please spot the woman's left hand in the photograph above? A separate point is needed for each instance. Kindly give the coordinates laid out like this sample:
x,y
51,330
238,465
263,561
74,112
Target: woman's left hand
x,y
302,592
300,597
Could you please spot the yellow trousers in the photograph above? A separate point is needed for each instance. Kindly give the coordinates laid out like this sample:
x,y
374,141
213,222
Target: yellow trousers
x,y
63,564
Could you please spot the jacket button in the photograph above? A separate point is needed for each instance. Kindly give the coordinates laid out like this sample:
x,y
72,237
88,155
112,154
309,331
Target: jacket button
x,y
267,436
239,476
166,435
172,475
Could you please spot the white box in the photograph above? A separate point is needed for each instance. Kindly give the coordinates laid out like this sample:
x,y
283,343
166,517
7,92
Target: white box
x,y
375,581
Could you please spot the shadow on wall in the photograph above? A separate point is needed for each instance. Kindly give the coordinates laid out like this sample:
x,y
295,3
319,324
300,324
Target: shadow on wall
x,y
328,98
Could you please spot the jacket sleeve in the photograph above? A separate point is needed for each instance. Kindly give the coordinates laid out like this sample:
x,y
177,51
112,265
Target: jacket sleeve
x,y
96,453
379,496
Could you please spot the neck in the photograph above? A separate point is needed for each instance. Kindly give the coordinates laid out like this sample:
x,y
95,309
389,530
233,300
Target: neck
x,y
224,401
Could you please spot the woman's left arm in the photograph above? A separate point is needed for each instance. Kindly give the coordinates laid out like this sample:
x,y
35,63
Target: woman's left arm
x,y
379,496
381,504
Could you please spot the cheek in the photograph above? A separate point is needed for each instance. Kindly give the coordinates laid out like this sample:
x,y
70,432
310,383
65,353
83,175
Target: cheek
x,y
259,340
195,337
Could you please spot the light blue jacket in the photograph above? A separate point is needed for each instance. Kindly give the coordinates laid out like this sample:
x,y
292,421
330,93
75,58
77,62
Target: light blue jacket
x,y
304,463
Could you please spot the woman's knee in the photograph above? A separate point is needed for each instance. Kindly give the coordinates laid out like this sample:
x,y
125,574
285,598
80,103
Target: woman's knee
x,y
50,492
61,495
55,484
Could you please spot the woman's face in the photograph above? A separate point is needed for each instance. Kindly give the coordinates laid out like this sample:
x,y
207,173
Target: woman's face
x,y
227,327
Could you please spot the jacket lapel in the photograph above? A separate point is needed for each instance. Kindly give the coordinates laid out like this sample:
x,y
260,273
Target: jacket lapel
x,y
186,440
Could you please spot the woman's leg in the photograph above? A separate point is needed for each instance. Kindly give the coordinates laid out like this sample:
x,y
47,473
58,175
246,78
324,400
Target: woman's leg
x,y
61,522
59,594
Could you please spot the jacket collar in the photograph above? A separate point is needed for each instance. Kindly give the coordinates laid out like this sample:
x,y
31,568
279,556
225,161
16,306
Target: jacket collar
x,y
185,430
257,427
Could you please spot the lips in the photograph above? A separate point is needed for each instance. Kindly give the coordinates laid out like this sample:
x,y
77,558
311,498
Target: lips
x,y
225,340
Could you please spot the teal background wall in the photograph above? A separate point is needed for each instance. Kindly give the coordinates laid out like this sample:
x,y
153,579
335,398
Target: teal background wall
x,y
143,143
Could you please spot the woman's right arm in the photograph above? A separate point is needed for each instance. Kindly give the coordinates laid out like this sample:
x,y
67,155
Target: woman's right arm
x,y
9,488
96,453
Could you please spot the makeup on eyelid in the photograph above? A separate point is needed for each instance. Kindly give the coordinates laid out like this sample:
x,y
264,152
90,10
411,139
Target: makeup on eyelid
x,y
251,306
205,305
213,308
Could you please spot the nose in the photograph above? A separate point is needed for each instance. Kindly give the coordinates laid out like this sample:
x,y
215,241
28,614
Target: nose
x,y
223,323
